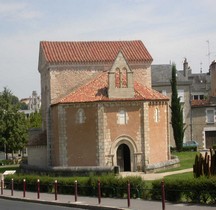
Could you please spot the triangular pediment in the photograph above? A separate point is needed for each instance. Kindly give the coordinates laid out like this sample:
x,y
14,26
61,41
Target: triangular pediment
x,y
121,63
120,79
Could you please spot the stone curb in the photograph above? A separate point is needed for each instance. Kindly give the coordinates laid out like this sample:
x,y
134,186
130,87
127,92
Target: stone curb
x,y
69,204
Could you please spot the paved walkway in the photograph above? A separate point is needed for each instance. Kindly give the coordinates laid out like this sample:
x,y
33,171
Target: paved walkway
x,y
91,203
106,203
154,176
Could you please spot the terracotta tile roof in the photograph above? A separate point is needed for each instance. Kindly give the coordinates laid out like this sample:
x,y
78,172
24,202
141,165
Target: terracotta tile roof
x,y
94,51
97,90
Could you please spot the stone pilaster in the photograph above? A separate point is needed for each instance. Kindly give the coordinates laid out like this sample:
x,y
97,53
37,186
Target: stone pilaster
x,y
100,141
63,156
146,133
49,137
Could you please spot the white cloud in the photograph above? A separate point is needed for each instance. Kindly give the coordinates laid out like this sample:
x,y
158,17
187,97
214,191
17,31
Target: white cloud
x,y
169,33
14,11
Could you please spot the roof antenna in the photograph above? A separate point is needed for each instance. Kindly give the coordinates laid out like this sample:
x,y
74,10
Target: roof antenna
x,y
209,53
200,67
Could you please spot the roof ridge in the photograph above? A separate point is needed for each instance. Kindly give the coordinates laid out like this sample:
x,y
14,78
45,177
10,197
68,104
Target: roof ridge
x,y
93,51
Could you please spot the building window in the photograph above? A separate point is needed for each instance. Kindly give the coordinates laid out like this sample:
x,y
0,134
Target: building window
x,y
195,97
117,78
210,115
80,116
157,115
124,82
198,97
201,97
181,95
122,117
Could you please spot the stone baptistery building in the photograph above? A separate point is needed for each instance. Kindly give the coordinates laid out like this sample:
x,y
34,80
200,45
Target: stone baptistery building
x,y
98,108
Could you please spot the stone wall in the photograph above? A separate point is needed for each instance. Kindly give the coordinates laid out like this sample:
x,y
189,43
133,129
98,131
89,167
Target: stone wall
x,y
158,133
37,156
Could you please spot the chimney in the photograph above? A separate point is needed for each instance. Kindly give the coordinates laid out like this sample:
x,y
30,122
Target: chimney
x,y
213,78
185,68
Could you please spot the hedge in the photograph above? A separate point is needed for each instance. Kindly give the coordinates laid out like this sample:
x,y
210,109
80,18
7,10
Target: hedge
x,y
111,186
200,190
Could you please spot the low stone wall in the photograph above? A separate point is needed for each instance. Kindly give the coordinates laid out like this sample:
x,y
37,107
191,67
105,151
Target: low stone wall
x,y
37,155
173,163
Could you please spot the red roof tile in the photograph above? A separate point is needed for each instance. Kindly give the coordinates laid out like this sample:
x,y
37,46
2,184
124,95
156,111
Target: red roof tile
x,y
97,90
94,51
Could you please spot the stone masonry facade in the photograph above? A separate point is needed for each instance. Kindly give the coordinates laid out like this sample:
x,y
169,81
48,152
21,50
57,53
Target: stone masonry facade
x,y
92,122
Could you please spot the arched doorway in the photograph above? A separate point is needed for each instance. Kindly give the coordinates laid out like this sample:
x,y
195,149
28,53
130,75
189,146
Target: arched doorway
x,y
124,157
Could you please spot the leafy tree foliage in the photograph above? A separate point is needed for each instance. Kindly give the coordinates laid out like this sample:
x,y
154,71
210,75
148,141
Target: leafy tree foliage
x,y
13,127
35,120
176,113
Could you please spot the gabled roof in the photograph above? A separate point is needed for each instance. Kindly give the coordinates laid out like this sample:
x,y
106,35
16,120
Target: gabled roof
x,y
97,90
94,51
162,73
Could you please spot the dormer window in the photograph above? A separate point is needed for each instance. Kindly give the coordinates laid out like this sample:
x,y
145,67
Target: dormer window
x,y
120,79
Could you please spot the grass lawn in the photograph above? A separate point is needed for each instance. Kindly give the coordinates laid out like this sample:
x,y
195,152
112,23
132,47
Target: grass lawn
x,y
186,161
8,167
185,176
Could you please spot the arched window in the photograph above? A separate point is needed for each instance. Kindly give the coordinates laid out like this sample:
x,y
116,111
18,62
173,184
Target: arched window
x,y
80,116
124,81
122,117
156,115
117,78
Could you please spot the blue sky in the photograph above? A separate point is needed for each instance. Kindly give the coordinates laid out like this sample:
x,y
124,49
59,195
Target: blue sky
x,y
171,30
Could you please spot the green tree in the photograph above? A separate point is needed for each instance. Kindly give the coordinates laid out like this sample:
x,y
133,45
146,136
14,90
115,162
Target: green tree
x,y
35,120
13,126
176,113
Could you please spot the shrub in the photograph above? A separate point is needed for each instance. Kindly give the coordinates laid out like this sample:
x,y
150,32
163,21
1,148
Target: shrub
x,y
111,186
200,190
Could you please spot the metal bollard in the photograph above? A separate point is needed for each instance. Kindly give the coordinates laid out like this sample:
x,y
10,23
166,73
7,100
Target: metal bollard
x,y
24,188
128,194
163,195
12,186
55,186
2,186
75,190
99,192
38,189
